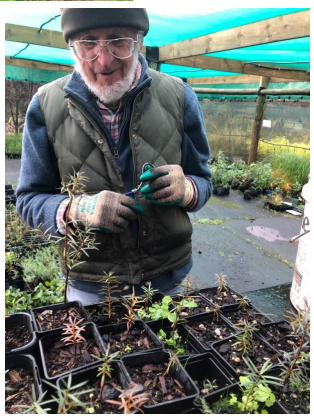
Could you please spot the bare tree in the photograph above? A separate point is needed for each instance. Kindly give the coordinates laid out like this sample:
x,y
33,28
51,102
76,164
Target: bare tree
x,y
18,95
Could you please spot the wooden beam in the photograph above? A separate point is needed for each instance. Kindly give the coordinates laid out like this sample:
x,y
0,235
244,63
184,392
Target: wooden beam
x,y
233,79
39,65
29,35
234,66
254,92
280,28
260,106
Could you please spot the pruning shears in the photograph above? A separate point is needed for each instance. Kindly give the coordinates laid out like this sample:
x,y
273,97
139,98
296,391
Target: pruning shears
x,y
146,166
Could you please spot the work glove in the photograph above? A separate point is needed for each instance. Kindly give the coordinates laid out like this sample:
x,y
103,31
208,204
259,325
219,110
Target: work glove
x,y
167,186
108,211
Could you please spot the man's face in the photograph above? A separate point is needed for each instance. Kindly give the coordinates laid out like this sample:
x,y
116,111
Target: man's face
x,y
106,70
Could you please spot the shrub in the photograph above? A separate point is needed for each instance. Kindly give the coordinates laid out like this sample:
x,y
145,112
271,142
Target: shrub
x,y
291,167
13,144
43,267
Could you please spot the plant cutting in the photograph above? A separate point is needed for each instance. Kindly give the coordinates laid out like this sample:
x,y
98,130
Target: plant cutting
x,y
222,294
137,338
255,390
55,316
208,330
111,309
294,368
69,396
207,372
236,315
246,343
105,369
131,401
75,240
252,396
60,357
148,292
162,375
74,334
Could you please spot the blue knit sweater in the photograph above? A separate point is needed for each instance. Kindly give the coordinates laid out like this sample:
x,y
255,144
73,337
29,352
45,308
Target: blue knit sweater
x,y
38,192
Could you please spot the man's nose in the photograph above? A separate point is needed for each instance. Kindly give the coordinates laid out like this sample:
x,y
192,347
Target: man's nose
x,y
104,56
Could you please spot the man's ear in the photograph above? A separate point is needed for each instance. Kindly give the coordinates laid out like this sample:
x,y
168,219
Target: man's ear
x,y
140,45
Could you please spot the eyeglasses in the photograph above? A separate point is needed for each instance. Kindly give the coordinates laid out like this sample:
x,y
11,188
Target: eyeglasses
x,y
89,50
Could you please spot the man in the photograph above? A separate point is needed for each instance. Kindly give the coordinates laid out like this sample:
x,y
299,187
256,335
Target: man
x,y
107,119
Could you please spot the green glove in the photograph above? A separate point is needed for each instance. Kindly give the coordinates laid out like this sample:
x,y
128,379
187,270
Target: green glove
x,y
167,186
106,210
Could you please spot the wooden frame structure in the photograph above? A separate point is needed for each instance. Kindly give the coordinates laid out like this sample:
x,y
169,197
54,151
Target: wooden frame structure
x,y
191,53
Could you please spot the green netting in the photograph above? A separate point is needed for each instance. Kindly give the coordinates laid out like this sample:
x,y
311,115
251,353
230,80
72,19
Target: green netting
x,y
168,29
287,85
32,74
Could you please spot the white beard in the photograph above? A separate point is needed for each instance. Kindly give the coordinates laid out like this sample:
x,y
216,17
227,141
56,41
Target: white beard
x,y
110,94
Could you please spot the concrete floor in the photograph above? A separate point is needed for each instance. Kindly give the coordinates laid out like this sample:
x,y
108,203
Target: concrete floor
x,y
250,246
242,240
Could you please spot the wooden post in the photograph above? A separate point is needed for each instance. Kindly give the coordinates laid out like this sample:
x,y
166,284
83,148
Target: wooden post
x,y
258,121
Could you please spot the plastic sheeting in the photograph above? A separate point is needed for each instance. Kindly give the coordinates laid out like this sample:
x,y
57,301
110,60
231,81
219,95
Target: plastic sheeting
x,y
165,30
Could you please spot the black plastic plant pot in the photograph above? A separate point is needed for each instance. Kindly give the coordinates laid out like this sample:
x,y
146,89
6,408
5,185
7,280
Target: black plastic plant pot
x,y
56,307
278,208
276,408
138,326
198,335
298,404
193,411
177,372
202,302
222,347
22,320
95,315
191,348
228,311
89,375
46,343
221,304
244,186
28,363
206,367
280,336
222,191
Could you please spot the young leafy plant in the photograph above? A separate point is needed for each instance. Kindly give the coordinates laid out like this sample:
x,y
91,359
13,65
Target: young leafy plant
x,y
43,266
256,393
